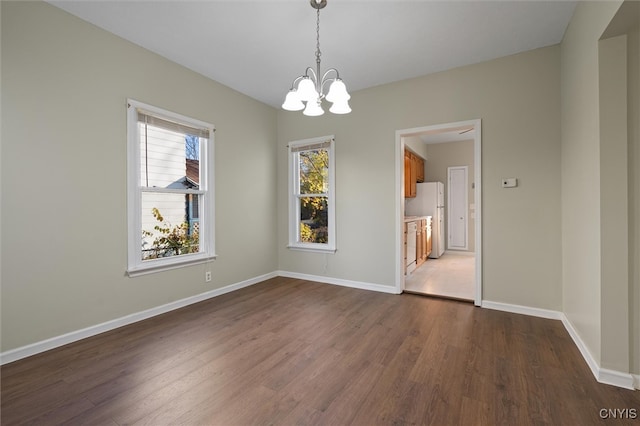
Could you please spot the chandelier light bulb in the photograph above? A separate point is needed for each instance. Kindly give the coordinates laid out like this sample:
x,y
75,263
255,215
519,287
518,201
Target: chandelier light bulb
x,y
307,90
340,108
338,92
313,109
292,102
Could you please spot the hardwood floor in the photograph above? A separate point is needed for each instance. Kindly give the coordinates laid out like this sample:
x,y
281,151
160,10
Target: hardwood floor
x,y
289,351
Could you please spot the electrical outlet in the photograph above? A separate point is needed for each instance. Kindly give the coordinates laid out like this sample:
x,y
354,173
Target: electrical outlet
x,y
207,276
509,182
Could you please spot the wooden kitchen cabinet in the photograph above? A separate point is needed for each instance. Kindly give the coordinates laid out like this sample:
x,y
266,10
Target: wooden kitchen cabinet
x,y
421,243
409,175
413,173
404,250
424,241
423,253
419,169
428,236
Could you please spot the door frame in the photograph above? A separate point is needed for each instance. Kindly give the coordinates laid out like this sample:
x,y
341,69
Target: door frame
x,y
466,209
399,188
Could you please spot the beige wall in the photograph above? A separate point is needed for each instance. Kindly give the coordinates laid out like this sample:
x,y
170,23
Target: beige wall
x,y
599,181
441,156
581,170
415,144
625,29
614,223
517,98
64,213
633,131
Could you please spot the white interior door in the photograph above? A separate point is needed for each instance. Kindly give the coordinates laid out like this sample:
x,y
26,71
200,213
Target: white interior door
x,y
457,208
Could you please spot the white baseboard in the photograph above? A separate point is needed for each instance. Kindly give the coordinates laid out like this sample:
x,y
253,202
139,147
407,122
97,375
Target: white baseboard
x,y
615,378
460,252
524,310
586,354
337,281
602,375
54,342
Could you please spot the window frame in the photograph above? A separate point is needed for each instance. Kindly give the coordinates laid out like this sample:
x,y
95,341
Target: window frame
x,y
135,265
294,196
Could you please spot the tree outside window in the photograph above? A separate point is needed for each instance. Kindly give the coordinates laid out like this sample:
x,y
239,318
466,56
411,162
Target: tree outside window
x,y
314,184
311,198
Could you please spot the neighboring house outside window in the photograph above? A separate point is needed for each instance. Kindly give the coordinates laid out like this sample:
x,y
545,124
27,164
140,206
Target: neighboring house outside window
x,y
191,200
170,189
312,222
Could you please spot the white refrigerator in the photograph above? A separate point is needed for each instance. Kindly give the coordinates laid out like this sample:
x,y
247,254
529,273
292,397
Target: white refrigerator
x,y
429,201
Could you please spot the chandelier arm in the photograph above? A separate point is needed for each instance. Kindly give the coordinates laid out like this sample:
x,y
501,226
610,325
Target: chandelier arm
x,y
296,80
324,76
322,86
315,77
313,73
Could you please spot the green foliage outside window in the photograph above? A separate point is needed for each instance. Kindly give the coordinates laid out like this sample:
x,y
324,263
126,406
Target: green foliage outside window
x,y
314,185
170,241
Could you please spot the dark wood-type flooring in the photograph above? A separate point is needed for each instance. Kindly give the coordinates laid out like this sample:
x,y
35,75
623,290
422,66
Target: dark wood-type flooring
x,y
287,352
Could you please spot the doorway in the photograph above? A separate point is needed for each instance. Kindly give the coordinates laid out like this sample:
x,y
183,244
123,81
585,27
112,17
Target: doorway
x,y
458,259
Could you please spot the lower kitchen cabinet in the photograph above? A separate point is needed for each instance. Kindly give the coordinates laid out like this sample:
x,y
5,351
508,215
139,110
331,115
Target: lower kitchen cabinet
x,y
424,242
428,236
416,243
421,243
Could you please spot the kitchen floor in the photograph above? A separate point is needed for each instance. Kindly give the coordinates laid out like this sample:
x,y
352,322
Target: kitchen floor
x,y
451,275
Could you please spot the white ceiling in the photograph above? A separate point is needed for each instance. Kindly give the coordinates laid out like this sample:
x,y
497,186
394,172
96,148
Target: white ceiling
x,y
259,47
454,134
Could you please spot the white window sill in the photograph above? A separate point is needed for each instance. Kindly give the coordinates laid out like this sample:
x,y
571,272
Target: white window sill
x,y
312,248
153,266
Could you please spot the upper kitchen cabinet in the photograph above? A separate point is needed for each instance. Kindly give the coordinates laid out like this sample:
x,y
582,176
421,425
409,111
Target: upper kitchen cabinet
x,y
413,173
419,169
409,175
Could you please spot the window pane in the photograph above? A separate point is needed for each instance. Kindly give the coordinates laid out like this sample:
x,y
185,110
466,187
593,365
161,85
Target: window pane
x,y
314,171
192,147
314,220
169,159
169,227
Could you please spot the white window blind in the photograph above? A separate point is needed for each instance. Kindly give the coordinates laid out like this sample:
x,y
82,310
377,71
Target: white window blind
x,y
147,118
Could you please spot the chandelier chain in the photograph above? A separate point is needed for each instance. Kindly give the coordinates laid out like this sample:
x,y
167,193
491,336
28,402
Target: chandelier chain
x,y
318,53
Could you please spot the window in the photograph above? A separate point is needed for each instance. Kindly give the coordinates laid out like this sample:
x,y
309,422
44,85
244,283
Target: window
x,y
170,189
311,195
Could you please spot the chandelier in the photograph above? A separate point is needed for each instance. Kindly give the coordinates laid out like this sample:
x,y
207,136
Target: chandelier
x,y
311,85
